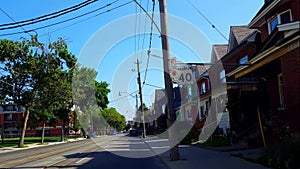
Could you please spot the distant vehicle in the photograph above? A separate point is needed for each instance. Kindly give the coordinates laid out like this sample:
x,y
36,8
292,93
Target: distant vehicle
x,y
113,133
91,134
133,132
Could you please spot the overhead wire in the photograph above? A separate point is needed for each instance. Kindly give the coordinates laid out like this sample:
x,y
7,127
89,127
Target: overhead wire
x,y
212,25
121,98
47,16
135,34
13,20
145,25
139,30
78,22
79,16
150,41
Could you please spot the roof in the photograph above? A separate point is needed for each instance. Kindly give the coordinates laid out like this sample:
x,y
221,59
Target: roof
x,y
219,51
202,68
241,32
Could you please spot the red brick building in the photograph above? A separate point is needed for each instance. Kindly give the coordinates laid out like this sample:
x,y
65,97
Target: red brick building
x,y
11,118
271,80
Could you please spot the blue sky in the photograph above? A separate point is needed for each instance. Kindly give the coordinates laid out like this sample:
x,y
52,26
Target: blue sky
x,y
120,57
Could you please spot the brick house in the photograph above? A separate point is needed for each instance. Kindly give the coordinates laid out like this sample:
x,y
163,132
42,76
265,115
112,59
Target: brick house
x,y
270,83
11,118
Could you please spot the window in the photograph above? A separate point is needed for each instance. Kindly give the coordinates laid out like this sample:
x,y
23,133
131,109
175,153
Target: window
x,y
9,117
222,77
244,59
202,112
207,106
282,18
203,88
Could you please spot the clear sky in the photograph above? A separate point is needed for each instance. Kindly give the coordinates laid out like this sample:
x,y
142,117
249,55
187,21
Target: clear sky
x,y
116,63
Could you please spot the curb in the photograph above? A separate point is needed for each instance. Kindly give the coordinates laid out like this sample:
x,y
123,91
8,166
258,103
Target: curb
x,y
166,165
34,145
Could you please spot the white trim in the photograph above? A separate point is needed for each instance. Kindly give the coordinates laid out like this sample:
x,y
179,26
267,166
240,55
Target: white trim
x,y
278,17
289,26
263,13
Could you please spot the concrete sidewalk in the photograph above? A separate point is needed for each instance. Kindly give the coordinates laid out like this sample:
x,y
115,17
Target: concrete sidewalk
x,y
195,157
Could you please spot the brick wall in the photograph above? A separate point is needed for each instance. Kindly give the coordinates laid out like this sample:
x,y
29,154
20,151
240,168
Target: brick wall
x,y
290,64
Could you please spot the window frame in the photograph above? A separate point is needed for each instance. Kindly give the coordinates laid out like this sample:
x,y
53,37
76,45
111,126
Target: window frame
x,y
278,18
222,76
203,88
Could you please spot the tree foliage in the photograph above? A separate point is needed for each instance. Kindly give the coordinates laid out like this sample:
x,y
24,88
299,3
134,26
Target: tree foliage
x,y
114,118
36,75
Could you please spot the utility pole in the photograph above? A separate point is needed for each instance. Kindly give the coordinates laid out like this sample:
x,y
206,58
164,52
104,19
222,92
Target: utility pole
x,y
141,97
174,152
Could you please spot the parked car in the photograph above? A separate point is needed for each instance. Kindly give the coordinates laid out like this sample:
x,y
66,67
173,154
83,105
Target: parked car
x,y
133,132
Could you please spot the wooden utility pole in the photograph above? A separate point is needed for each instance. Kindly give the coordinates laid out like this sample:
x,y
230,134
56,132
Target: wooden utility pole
x,y
174,152
141,97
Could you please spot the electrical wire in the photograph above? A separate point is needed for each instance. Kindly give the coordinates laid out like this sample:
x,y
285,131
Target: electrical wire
x,y
57,23
13,20
150,42
47,16
139,30
212,25
121,98
153,85
145,24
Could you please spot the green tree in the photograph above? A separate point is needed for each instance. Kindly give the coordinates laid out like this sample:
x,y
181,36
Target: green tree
x,y
101,92
114,118
90,96
28,68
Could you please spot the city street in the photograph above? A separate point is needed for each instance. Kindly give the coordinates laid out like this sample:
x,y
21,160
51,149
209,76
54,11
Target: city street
x,y
100,152
120,151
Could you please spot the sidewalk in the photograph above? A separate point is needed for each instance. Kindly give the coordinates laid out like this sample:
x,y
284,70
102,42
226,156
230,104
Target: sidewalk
x,y
196,157
9,149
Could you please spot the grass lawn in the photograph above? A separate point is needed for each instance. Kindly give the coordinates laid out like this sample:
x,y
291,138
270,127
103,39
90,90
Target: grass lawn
x,y
13,142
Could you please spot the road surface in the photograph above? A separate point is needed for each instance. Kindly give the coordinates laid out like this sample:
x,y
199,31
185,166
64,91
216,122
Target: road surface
x,y
116,152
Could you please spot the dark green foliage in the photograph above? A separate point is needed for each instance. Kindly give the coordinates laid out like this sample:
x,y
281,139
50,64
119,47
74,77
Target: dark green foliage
x,y
114,119
36,77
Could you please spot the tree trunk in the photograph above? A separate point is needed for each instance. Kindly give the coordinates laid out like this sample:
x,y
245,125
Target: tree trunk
x,y
62,138
43,132
21,143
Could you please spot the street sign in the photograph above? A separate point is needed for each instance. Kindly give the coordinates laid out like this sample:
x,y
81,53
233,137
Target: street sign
x,y
182,75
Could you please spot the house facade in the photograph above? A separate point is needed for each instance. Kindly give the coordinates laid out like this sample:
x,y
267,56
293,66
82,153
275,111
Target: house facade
x,y
267,89
11,119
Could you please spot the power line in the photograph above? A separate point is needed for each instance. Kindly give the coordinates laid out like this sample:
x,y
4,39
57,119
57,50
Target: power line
x,y
139,28
150,41
121,98
13,20
57,23
75,23
153,85
145,24
47,16
212,25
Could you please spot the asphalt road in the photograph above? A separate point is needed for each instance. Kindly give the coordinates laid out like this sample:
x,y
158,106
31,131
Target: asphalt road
x,y
105,152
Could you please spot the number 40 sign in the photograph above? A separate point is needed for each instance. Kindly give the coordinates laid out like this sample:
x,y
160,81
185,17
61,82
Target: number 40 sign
x,y
182,75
